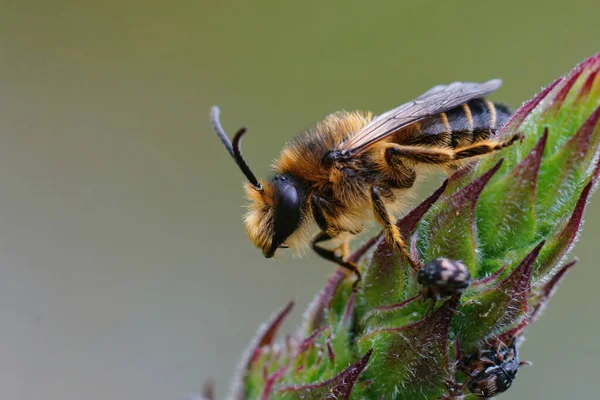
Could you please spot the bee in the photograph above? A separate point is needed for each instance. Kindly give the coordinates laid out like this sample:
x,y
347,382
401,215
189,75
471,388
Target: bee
x,y
351,167
443,277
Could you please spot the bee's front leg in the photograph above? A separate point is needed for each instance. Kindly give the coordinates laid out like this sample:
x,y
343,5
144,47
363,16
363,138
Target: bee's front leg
x,y
321,209
333,256
328,233
390,230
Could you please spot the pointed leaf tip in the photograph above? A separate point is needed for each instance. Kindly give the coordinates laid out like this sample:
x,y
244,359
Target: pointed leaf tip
x,y
339,387
408,223
451,230
591,65
382,314
514,194
271,380
346,320
402,304
589,83
580,142
518,282
566,87
362,250
548,289
566,169
529,167
561,243
314,316
273,325
592,61
470,193
498,308
330,352
491,278
519,116
310,341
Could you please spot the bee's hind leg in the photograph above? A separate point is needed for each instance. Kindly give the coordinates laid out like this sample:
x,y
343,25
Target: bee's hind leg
x,y
445,156
485,147
391,232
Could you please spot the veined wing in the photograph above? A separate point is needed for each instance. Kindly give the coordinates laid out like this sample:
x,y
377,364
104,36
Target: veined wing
x,y
436,100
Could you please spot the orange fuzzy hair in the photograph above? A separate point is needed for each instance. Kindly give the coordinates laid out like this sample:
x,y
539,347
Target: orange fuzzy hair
x,y
259,218
302,158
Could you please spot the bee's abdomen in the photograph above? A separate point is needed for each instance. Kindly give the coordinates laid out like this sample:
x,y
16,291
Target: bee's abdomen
x,y
466,124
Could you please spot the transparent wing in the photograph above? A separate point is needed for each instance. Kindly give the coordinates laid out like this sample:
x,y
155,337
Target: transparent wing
x,y
436,100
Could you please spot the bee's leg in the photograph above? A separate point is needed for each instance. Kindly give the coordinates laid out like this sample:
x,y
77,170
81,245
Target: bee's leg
x,y
320,208
433,155
318,205
484,147
420,154
391,231
331,255
454,389
401,175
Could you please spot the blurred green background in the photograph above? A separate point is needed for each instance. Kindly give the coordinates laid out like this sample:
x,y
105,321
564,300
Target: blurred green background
x,y
125,270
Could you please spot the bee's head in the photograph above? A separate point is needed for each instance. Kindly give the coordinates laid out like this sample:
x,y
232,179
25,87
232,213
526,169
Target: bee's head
x,y
275,213
277,207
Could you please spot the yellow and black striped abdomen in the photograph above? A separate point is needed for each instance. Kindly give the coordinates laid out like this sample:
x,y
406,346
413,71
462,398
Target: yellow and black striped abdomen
x,y
461,126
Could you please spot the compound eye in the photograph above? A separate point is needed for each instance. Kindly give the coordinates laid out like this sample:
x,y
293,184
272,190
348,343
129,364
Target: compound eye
x,y
287,216
288,199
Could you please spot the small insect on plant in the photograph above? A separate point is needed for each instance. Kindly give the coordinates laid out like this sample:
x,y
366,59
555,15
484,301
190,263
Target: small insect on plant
x,y
329,180
443,278
493,370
